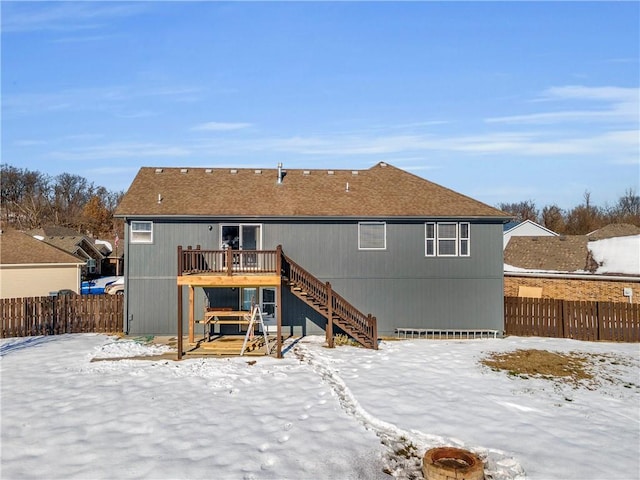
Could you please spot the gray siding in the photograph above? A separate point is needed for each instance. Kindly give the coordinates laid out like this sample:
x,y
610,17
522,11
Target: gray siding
x,y
399,285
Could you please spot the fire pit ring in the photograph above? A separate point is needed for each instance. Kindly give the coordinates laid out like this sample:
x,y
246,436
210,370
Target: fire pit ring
x,y
449,463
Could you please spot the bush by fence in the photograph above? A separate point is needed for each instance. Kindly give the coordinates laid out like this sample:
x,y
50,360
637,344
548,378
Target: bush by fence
x,y
30,316
581,320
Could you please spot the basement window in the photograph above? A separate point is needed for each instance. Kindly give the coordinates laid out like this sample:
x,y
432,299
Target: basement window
x,y
141,232
447,239
372,236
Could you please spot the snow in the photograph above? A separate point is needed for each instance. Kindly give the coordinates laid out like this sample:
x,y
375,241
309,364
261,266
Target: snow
x,y
105,243
318,413
511,268
617,255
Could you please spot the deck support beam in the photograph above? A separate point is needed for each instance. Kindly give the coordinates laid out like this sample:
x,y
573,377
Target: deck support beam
x,y
191,315
279,302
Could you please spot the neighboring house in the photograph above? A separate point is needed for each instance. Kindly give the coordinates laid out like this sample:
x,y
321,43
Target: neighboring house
x,y
31,268
525,228
407,251
603,265
83,247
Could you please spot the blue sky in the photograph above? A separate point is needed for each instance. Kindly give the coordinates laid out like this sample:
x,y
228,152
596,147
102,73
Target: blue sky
x,y
504,101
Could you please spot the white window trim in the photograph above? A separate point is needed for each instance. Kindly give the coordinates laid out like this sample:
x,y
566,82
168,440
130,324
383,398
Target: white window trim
x,y
467,238
436,240
384,247
132,232
432,238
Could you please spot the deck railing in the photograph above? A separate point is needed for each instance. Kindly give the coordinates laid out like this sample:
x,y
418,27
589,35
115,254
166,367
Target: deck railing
x,y
196,261
239,262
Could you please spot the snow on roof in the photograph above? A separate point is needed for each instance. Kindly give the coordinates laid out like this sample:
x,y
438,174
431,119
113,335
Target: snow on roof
x,y
105,243
617,255
574,254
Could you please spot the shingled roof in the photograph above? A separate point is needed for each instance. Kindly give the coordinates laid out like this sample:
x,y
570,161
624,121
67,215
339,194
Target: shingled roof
x,y
614,230
17,248
380,191
560,254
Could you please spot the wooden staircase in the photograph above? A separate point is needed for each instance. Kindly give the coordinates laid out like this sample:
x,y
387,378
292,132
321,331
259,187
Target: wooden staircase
x,y
321,297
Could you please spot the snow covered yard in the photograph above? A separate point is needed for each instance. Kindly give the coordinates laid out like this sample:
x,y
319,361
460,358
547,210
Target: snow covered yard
x,y
318,413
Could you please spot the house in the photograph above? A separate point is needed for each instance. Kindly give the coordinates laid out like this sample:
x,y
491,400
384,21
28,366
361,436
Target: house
x,y
407,251
601,266
94,254
526,228
31,268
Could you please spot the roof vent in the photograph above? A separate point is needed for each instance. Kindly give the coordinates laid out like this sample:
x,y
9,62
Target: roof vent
x,y
330,172
347,188
258,172
158,170
354,172
306,172
159,199
233,171
382,164
281,173
184,170
208,170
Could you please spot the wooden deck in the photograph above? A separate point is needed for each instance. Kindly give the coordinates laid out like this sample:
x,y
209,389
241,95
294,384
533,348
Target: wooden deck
x,y
226,268
231,345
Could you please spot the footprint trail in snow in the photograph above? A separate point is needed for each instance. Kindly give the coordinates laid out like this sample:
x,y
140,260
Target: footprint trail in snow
x,y
405,449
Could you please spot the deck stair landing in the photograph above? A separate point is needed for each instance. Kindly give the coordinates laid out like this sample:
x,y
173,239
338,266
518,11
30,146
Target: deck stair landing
x,y
324,300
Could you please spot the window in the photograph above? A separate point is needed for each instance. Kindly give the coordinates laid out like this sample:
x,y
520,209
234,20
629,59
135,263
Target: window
x,y
141,232
464,240
447,239
372,236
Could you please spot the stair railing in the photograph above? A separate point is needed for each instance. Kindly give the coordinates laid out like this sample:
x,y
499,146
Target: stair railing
x,y
365,325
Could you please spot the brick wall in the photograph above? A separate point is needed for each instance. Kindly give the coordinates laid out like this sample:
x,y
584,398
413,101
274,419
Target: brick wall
x,y
570,289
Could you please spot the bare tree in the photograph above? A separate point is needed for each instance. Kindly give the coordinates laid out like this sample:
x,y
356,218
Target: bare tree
x,y
584,218
627,210
553,218
521,211
71,194
25,197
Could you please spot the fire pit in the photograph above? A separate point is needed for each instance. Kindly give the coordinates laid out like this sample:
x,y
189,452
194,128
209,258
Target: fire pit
x,y
449,463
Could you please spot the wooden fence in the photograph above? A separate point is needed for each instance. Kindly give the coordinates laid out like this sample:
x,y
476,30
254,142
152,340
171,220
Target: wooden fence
x,y
581,320
30,316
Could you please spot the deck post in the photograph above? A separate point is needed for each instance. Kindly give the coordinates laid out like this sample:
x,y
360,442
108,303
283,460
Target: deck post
x,y
279,320
329,332
179,304
191,314
229,253
279,302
